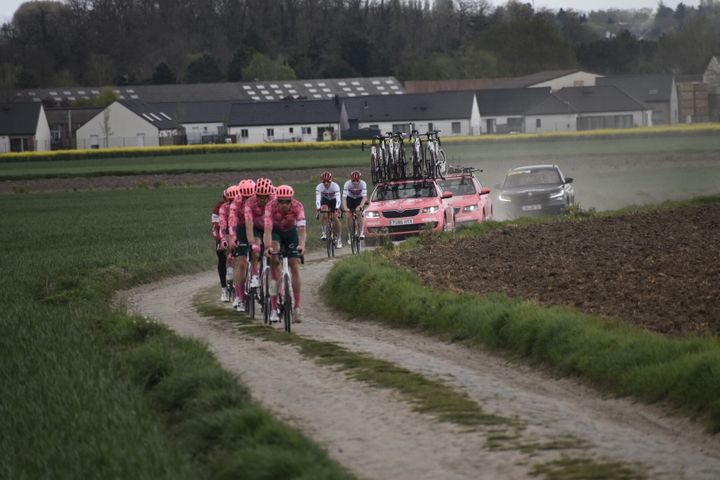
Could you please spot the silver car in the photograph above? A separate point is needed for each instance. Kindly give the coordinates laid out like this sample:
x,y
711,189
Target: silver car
x,y
536,190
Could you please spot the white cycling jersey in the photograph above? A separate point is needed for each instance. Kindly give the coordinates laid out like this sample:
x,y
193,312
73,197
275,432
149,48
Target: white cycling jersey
x,y
355,189
328,193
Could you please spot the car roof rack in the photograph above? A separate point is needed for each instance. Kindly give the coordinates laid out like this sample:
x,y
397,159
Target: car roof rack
x,y
464,170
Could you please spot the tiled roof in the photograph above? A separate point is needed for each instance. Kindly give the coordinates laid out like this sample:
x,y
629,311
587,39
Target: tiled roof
x,y
19,118
509,101
603,98
408,107
285,113
315,89
646,88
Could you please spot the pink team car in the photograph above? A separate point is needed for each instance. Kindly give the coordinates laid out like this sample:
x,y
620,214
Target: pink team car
x,y
406,207
471,201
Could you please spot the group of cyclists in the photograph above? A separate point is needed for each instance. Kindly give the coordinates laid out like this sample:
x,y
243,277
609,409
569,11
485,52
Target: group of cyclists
x,y
255,216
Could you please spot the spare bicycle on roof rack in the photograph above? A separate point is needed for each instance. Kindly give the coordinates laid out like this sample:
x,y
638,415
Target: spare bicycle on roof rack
x,y
388,161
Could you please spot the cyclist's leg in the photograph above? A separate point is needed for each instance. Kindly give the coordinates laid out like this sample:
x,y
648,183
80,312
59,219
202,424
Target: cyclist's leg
x,y
255,256
337,226
240,255
222,265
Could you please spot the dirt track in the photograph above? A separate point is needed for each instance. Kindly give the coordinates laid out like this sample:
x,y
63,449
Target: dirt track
x,y
659,270
377,436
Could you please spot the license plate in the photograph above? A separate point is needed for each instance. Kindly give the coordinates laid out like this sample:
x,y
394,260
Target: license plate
x,y
406,221
526,208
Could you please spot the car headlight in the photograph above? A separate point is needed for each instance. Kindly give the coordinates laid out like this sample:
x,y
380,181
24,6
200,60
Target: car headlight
x,y
503,198
430,209
372,214
470,208
557,194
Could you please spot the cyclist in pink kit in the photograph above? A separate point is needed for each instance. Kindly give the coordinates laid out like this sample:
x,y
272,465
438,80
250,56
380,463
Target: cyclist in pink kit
x,y
255,222
285,230
220,230
239,240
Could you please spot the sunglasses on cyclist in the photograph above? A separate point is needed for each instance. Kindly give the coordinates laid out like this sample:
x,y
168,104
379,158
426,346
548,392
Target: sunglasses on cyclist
x,y
284,201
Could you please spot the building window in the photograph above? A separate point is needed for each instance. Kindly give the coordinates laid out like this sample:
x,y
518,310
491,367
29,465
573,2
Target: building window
x,y
307,130
292,129
270,132
456,127
538,123
244,133
401,127
430,127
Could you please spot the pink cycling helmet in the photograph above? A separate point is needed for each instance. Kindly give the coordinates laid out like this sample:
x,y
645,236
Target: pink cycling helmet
x,y
285,192
264,186
247,188
232,192
326,176
355,175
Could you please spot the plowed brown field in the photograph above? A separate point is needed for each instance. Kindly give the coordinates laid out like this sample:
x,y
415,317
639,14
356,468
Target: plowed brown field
x,y
657,269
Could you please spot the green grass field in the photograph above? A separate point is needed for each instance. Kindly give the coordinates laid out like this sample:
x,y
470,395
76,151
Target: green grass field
x,y
90,393
457,152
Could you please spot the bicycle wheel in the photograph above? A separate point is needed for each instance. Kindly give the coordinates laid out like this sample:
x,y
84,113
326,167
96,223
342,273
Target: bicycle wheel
x,y
430,169
250,303
402,162
441,165
332,242
352,232
329,240
374,169
266,296
287,304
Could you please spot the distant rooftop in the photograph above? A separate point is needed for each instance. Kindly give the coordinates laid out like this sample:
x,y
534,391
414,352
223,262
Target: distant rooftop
x,y
316,89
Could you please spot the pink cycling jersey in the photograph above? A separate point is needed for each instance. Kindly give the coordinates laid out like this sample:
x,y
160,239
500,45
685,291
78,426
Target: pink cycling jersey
x,y
236,214
276,219
255,213
215,220
223,213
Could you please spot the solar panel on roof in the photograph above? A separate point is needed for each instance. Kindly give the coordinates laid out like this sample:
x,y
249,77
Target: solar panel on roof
x,y
156,117
279,92
57,99
36,99
130,90
356,83
51,93
72,99
255,98
376,82
346,89
135,97
312,90
269,97
292,90
165,115
95,92
148,117
380,87
32,94
321,84
389,81
308,84
264,92
326,90
273,85
287,85
317,95
342,83
351,94
67,92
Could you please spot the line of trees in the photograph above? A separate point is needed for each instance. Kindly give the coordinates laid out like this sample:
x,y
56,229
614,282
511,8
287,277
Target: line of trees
x,y
101,42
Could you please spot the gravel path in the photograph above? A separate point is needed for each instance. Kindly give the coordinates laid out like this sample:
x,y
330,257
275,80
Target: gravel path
x,y
378,436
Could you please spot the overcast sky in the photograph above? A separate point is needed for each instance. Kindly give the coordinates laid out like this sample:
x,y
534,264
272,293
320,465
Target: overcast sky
x,y
8,7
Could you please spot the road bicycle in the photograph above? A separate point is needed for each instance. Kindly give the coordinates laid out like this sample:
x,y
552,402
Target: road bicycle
x,y
377,167
285,300
436,163
252,294
355,231
328,231
399,162
419,169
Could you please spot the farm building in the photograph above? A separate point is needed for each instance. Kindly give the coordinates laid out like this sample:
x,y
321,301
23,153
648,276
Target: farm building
x,y
288,121
453,113
131,124
23,128
586,108
657,91
503,110
711,77
693,99
554,79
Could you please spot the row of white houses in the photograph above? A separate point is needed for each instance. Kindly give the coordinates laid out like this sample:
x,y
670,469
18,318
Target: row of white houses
x,y
330,109
130,124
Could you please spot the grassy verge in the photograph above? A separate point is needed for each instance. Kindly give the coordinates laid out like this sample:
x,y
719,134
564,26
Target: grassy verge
x,y
610,353
90,393
468,150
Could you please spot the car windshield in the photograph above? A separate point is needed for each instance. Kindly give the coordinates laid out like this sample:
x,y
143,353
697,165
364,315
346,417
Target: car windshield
x,y
404,190
458,186
524,178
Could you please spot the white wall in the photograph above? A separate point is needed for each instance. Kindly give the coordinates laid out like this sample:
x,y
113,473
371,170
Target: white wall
x,y
258,134
674,106
195,131
577,79
551,123
445,126
4,144
42,132
125,128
